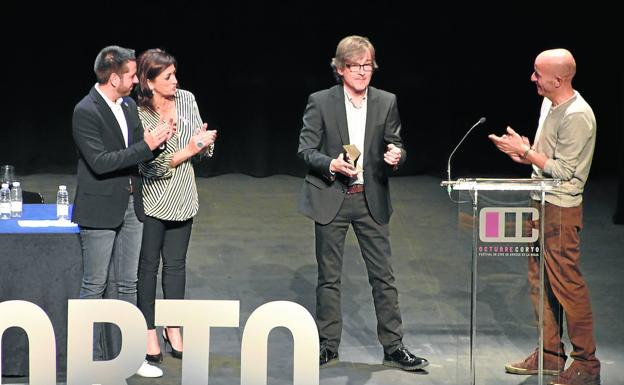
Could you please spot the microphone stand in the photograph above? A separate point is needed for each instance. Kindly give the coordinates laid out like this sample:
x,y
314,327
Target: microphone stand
x,y
448,167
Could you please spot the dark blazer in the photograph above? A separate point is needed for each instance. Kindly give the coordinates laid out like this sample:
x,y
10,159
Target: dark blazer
x,y
324,133
105,165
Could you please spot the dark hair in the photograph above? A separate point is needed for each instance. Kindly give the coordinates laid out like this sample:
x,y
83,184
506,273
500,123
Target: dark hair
x,y
112,59
151,63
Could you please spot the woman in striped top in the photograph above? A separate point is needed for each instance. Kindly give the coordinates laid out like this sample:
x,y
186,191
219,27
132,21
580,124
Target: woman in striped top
x,y
169,190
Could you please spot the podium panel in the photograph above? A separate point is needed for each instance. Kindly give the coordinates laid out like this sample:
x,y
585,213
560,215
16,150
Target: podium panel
x,y
502,225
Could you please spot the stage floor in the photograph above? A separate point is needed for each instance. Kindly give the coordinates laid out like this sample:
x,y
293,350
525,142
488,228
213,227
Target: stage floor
x,y
250,244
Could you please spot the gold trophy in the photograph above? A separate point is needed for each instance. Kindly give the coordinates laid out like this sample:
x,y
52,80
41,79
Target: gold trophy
x,y
351,155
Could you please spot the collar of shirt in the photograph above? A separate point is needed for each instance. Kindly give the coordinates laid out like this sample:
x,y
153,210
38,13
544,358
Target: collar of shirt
x,y
553,108
113,105
350,99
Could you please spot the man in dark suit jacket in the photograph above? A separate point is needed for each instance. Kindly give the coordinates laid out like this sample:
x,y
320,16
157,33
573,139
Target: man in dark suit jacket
x,y
108,203
338,192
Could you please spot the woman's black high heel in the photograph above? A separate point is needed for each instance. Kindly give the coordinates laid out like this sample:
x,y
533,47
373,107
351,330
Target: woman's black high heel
x,y
174,353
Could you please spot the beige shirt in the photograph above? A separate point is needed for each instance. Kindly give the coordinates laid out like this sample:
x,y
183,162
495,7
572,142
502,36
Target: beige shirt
x,y
567,136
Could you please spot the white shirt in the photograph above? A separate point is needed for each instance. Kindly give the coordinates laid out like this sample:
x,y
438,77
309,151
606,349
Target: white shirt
x,y
117,111
356,122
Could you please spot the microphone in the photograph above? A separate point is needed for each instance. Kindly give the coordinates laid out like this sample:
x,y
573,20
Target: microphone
x,y
448,167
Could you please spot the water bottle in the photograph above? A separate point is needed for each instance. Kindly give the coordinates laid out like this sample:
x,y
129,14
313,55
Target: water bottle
x,y
62,204
5,201
16,200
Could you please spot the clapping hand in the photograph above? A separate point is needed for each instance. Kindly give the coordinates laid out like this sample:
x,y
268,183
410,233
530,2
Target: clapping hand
x,y
202,138
155,137
512,144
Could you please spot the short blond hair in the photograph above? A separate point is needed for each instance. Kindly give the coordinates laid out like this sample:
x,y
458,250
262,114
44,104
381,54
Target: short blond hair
x,y
349,48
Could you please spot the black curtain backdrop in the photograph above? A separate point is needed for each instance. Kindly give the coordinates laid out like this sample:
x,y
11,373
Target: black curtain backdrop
x,y
252,66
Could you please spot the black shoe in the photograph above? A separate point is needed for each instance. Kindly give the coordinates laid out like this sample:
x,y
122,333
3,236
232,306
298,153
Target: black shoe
x,y
403,359
174,353
327,357
154,358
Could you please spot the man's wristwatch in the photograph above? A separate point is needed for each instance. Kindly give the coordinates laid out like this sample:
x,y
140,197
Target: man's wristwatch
x,y
523,156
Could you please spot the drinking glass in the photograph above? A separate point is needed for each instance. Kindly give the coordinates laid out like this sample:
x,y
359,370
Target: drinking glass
x,y
7,174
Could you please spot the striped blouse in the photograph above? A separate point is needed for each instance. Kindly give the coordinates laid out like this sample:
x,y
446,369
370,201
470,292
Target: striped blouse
x,y
170,193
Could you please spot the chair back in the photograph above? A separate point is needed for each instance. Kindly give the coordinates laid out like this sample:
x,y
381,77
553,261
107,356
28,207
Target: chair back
x,y
32,197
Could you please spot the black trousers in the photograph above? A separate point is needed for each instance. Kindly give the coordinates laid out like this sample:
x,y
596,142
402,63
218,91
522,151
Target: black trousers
x,y
374,242
170,240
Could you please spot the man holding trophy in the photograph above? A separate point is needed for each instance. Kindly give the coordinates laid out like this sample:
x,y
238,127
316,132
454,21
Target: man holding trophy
x,y
350,141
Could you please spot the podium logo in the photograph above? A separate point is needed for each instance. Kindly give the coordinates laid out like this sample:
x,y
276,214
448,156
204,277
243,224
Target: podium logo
x,y
506,224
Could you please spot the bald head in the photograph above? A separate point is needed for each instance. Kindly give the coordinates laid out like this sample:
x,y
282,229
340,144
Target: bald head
x,y
559,62
553,73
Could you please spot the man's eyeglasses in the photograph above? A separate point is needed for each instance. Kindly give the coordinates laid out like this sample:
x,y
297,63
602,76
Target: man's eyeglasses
x,y
355,68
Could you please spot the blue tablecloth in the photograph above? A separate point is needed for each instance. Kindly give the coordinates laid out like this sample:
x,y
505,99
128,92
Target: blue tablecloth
x,y
43,266
35,212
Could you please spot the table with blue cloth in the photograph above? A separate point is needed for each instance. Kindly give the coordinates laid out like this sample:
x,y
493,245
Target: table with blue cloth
x,y
42,265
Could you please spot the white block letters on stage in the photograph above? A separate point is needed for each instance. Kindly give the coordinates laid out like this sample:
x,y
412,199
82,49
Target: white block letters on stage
x,y
196,316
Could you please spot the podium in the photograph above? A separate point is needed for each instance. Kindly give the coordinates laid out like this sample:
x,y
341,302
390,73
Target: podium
x,y
505,217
